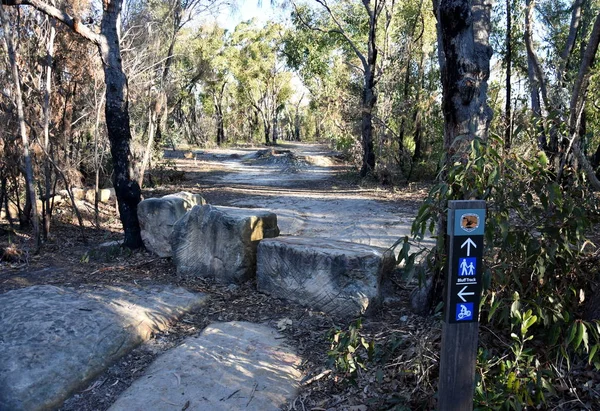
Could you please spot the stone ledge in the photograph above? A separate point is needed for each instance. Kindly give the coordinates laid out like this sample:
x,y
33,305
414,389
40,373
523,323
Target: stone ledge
x,y
337,277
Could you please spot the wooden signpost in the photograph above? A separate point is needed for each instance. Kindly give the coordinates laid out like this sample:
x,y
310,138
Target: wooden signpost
x,y
466,224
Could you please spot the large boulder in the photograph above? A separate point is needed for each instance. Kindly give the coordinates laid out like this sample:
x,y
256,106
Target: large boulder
x,y
220,242
158,215
55,340
229,366
337,277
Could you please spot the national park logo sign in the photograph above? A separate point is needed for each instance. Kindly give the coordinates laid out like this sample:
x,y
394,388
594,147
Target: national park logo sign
x,y
469,222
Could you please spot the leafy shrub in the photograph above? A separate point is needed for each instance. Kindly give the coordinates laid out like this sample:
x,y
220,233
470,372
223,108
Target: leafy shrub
x,y
535,240
350,352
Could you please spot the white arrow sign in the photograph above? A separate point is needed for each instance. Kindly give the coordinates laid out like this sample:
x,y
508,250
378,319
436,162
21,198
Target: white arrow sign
x,y
468,243
462,292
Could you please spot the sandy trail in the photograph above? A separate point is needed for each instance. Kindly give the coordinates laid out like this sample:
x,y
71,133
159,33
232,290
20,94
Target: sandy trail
x,y
301,183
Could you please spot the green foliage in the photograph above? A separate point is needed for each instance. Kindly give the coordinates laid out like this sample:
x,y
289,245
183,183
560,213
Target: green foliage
x,y
350,352
535,241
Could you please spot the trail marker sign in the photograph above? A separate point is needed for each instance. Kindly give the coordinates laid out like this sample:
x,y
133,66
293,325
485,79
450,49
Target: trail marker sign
x,y
466,226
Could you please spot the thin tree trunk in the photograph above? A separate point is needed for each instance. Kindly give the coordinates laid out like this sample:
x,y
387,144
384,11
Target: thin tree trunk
x,y
47,212
417,115
97,158
369,97
577,106
508,61
405,92
152,127
570,44
29,182
537,82
297,120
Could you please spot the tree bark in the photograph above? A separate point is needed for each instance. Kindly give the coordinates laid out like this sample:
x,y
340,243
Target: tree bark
x,y
464,28
29,181
116,112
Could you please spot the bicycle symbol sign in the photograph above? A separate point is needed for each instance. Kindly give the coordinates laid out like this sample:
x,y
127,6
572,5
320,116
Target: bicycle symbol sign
x,y
464,311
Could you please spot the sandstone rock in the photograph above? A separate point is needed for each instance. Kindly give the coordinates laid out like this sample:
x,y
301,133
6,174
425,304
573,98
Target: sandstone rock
x,y
229,366
78,193
158,215
220,242
54,340
337,277
104,195
420,297
12,209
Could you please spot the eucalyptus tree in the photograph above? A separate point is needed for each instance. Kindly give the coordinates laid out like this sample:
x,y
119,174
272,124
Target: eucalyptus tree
x,y
334,93
463,29
155,29
357,25
563,78
262,79
216,57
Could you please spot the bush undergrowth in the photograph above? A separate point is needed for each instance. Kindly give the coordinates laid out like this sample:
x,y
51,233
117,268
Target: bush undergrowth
x,y
532,331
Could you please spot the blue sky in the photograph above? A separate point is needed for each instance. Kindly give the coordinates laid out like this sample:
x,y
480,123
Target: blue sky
x,y
246,10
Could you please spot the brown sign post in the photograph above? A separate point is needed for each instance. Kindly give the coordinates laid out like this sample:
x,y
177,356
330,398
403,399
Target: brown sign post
x,y
466,225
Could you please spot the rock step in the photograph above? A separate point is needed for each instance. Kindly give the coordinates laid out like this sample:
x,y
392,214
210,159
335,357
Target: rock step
x,y
157,216
220,242
54,340
229,366
337,277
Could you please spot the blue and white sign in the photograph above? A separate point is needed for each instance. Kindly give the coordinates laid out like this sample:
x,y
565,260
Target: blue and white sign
x,y
467,267
466,228
464,312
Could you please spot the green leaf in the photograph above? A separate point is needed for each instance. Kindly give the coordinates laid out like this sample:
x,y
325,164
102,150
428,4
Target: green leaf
x,y
592,353
571,333
565,356
585,338
531,319
579,336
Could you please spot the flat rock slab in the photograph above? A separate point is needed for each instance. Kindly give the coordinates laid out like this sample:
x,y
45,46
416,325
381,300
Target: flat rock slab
x,y
157,216
337,277
229,366
54,340
220,242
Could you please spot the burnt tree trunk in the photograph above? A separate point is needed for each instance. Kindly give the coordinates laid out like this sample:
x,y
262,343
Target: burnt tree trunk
x,y
116,111
417,115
